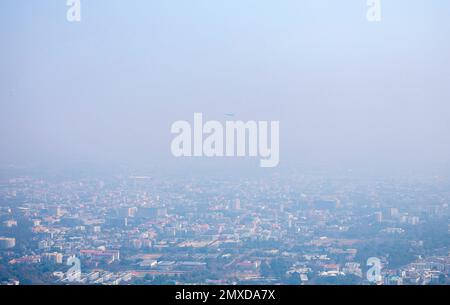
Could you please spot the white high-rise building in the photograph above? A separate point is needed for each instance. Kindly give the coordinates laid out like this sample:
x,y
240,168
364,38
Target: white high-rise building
x,y
237,205
379,216
394,212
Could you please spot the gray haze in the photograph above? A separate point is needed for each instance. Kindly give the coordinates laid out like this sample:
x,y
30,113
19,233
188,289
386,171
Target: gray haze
x,y
347,93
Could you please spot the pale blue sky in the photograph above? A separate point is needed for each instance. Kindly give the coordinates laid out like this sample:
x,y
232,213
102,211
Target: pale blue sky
x,y
346,92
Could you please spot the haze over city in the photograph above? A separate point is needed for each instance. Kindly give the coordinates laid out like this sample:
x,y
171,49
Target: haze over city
x,y
109,176
348,93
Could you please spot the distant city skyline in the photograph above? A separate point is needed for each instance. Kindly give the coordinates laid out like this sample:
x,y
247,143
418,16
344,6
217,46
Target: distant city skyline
x,y
292,229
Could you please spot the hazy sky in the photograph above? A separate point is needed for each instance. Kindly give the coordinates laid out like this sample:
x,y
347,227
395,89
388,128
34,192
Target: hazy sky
x,y
346,92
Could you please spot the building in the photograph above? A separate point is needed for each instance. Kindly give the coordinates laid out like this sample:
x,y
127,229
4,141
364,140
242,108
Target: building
x,y
124,212
56,211
161,212
237,205
413,220
378,216
7,243
101,255
10,223
53,258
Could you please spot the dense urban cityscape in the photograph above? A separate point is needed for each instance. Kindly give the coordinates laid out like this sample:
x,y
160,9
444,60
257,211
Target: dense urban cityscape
x,y
224,152
295,228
